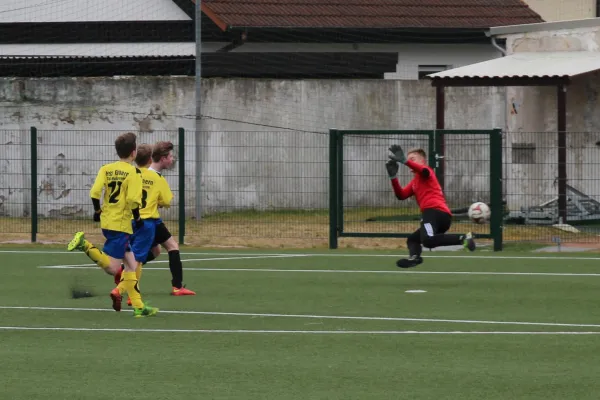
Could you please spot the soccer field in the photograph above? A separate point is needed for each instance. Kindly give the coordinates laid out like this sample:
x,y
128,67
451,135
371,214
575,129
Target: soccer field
x,y
291,325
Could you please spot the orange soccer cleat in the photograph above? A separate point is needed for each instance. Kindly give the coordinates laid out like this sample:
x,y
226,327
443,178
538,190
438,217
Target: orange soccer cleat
x,y
182,292
116,297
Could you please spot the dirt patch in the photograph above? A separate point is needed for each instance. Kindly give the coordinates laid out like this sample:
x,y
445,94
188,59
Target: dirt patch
x,y
282,231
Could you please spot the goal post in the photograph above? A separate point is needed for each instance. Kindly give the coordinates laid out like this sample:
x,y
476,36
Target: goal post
x,y
361,200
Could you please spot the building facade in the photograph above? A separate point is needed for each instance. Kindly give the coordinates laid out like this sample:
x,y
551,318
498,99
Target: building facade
x,y
259,40
564,10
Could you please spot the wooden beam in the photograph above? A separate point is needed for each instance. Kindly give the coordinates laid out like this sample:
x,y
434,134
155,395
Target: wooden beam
x,y
214,17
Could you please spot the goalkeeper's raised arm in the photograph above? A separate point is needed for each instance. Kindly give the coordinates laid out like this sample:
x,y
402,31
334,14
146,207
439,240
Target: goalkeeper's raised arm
x,y
401,193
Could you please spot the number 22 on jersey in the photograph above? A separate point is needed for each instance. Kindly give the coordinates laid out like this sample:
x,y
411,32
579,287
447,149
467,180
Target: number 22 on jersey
x,y
115,191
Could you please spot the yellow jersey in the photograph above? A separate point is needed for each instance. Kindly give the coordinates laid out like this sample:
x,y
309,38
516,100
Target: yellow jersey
x,y
155,193
122,185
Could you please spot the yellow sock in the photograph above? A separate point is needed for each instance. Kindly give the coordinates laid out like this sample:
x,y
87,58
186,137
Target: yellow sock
x,y
129,284
96,255
138,272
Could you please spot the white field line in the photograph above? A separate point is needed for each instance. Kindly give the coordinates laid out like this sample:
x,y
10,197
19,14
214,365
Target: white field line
x,y
41,252
78,266
333,271
297,332
475,257
335,317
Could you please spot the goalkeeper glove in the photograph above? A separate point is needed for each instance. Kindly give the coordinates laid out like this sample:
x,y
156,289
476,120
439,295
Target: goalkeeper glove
x,y
392,168
97,216
398,154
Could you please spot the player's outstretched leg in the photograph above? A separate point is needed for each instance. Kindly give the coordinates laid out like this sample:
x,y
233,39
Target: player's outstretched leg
x,y
468,241
414,250
450,239
77,242
117,298
152,254
176,267
146,311
129,284
96,255
411,261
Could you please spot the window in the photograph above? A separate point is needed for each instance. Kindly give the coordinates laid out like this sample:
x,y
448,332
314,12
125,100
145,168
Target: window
x,y
425,70
523,153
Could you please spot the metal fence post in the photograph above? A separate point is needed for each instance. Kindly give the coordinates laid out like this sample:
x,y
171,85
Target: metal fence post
x,y
340,182
496,188
181,185
439,146
333,189
431,149
34,214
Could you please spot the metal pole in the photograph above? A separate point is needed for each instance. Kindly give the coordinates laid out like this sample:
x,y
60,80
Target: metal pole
x,y
440,121
198,135
496,187
333,189
34,201
181,186
562,152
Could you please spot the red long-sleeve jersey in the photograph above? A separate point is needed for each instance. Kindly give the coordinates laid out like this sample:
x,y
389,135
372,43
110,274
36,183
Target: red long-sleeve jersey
x,y
424,186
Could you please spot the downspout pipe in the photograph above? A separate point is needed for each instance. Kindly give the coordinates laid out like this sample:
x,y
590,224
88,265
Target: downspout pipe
x,y
497,46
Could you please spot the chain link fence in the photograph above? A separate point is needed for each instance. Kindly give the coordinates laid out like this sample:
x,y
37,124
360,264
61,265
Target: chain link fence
x,y
271,188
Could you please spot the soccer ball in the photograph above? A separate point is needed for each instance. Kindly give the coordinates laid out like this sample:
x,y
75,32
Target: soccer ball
x,y
479,212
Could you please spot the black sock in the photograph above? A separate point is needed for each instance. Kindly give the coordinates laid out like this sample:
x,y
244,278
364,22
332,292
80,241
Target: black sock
x,y
414,248
176,269
149,258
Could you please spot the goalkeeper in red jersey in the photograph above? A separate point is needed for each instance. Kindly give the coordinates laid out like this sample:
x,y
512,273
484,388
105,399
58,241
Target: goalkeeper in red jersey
x,y
436,217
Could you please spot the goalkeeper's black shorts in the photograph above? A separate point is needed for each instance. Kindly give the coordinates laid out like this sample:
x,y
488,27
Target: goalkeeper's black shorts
x,y
434,222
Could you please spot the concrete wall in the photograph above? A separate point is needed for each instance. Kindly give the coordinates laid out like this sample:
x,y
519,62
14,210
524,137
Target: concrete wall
x,y
263,144
580,39
561,10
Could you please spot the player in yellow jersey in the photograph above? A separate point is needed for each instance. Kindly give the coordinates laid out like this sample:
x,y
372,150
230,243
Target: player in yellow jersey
x,y
155,193
119,215
162,158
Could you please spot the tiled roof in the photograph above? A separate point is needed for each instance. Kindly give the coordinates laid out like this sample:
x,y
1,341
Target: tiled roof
x,y
365,14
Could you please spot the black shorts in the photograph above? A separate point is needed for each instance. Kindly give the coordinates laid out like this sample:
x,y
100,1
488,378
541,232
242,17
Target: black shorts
x,y
434,222
162,234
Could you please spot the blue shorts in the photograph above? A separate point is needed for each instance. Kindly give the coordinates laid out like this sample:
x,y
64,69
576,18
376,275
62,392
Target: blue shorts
x,y
116,243
142,239
162,234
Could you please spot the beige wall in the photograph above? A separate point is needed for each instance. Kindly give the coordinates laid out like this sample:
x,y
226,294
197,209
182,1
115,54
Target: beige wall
x,y
563,10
